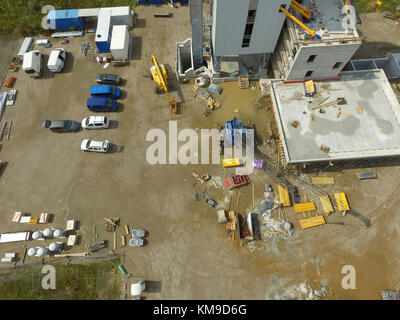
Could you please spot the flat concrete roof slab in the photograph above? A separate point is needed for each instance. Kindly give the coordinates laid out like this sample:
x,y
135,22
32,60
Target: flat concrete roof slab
x,y
368,125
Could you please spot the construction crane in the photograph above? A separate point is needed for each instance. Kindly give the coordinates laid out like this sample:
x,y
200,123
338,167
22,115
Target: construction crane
x,y
159,75
303,11
313,33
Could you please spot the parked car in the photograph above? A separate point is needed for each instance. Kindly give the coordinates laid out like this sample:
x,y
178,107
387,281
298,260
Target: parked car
x,y
101,104
105,90
95,122
95,145
107,78
61,125
57,60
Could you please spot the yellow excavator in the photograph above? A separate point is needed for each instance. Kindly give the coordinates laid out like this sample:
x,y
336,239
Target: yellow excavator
x,y
160,76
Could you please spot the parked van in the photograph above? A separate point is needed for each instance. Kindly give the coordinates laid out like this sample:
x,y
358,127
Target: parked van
x,y
105,90
57,60
101,104
32,64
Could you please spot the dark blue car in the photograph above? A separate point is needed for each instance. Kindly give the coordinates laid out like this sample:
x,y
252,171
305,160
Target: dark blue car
x,y
101,104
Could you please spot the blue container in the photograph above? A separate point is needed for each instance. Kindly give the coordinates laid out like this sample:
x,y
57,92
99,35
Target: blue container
x,y
103,46
65,19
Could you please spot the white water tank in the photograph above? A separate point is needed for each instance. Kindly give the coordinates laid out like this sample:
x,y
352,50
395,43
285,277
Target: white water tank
x,y
32,252
42,252
58,233
37,235
48,232
54,246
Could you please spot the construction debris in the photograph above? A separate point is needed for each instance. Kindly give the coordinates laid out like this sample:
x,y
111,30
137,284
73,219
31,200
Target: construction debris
x,y
202,178
112,224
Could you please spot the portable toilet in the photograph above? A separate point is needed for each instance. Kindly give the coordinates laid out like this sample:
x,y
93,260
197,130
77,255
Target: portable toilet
x,y
48,232
42,252
32,252
54,246
58,233
37,235
103,36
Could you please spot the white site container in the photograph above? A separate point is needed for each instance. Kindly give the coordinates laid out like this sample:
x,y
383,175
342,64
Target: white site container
x,y
120,40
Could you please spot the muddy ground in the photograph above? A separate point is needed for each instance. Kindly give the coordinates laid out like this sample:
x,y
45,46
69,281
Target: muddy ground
x,y
186,251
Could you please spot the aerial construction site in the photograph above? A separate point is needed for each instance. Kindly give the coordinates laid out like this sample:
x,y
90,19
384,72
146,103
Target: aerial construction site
x,y
202,150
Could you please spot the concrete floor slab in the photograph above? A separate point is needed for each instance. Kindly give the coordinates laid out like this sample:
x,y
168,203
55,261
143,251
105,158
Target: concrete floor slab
x,y
368,125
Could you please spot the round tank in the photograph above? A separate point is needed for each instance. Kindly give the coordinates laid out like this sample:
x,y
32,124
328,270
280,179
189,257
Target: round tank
x,y
37,235
32,252
48,232
42,252
58,233
54,246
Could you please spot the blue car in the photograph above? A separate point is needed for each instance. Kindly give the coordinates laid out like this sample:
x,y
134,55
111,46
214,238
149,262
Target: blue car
x,y
101,104
105,90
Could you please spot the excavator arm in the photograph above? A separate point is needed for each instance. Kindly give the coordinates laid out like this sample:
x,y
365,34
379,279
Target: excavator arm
x,y
162,84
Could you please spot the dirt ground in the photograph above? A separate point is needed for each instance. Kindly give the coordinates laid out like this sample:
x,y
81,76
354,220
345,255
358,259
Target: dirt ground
x,y
379,36
186,250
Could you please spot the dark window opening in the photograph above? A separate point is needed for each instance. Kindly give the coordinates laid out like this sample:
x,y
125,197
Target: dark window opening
x,y
309,73
248,30
246,42
311,58
337,65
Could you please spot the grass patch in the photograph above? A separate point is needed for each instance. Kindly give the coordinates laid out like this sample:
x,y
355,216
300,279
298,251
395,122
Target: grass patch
x,y
365,6
25,16
94,281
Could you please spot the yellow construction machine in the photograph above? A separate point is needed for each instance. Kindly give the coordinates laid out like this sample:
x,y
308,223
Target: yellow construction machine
x,y
160,76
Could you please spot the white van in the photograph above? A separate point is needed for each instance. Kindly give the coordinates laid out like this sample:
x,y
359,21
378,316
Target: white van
x,y
32,63
56,60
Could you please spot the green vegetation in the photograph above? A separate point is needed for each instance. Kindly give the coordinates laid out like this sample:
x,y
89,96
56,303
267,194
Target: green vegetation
x,y
364,6
73,282
25,16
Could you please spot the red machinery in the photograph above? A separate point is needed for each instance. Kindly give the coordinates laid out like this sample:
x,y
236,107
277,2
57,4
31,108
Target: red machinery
x,y
237,181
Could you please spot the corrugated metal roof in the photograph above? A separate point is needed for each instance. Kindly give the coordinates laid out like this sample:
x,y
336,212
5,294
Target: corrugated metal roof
x,y
91,12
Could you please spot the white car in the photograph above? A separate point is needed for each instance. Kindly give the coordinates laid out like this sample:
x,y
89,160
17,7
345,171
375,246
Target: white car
x,y
95,145
95,122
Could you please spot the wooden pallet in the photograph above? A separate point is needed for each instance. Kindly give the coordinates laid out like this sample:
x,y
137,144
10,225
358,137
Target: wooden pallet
x,y
312,222
304,207
323,180
341,201
326,204
284,196
244,82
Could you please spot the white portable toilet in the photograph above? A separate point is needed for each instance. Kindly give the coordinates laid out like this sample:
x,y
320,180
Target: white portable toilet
x,y
37,235
58,233
54,246
48,232
32,251
42,252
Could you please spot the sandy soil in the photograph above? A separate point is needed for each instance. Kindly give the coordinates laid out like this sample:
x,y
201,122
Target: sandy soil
x,y
186,250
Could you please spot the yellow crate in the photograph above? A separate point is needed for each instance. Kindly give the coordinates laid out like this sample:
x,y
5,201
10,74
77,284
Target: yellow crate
x,y
326,204
304,207
312,222
284,196
323,180
341,201
310,87
232,162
